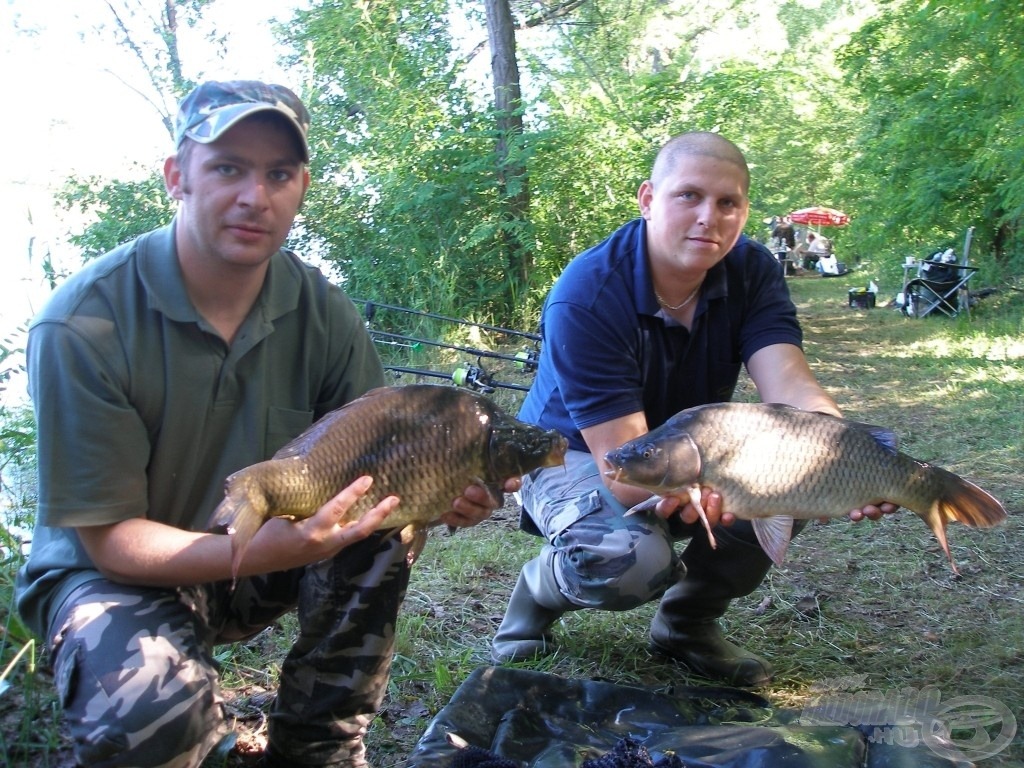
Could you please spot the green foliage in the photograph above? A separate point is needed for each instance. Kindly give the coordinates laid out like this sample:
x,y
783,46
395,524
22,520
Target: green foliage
x,y
406,201
152,33
17,514
625,80
11,352
17,446
121,210
914,131
17,463
599,120
940,145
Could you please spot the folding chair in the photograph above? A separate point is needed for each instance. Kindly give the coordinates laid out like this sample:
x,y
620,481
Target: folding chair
x,y
941,287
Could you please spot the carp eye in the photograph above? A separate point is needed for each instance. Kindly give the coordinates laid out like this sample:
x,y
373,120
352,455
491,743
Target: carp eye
x,y
648,451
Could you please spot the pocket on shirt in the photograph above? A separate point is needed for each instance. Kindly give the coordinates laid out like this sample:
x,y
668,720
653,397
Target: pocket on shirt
x,y
284,425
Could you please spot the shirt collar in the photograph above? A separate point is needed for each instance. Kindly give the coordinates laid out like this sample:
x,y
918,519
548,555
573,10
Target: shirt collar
x,y
165,285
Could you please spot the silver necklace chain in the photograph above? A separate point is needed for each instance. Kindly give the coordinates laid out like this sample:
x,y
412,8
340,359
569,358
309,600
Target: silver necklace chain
x,y
683,303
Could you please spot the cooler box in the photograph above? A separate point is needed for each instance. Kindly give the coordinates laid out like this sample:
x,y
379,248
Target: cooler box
x,y
862,298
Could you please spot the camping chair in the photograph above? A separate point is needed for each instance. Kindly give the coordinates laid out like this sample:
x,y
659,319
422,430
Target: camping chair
x,y
941,287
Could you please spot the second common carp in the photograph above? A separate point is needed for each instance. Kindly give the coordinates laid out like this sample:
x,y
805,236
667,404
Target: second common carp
x,y
423,443
773,463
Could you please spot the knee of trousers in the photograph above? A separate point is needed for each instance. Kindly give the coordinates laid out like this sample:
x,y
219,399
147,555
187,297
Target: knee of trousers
x,y
620,571
115,732
147,721
134,696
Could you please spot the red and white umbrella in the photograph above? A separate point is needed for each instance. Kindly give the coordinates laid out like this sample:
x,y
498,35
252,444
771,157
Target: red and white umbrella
x,y
818,216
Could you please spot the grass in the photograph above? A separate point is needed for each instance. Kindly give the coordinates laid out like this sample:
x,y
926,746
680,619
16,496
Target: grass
x,y
874,602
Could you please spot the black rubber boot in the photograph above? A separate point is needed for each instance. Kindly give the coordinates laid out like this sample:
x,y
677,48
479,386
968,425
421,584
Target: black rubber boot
x,y
535,605
703,648
686,625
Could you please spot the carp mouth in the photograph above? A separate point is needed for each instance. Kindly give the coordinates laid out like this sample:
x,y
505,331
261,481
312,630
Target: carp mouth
x,y
614,473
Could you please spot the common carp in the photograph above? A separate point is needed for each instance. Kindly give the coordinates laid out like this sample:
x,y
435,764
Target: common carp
x,y
773,463
423,443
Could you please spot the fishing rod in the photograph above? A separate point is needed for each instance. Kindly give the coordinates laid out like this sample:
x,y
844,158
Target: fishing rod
x,y
525,359
370,308
396,343
465,375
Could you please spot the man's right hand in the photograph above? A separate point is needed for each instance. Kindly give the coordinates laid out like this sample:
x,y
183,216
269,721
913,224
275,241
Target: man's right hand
x,y
323,535
710,500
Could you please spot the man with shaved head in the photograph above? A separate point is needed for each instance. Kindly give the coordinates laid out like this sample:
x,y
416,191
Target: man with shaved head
x,y
701,143
658,317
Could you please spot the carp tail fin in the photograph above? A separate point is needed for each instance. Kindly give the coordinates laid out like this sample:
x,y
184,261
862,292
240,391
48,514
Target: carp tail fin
x,y
964,502
239,517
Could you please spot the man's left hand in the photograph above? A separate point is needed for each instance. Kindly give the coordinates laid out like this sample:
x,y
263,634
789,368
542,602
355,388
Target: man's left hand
x,y
476,504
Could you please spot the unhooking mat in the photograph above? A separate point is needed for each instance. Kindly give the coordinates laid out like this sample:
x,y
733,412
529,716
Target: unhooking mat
x,y
539,720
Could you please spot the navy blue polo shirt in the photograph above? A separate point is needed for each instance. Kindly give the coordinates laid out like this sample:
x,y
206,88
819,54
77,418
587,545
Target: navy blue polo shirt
x,y
609,351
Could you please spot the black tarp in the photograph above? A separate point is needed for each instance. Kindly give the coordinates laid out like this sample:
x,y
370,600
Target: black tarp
x,y
540,720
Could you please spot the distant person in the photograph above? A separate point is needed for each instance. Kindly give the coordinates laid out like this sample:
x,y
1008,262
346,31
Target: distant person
x,y
828,263
785,234
660,316
815,248
157,371
799,255
830,266
818,244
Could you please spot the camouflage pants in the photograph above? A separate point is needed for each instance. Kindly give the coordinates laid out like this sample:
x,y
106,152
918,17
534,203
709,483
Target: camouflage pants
x,y
605,560
138,681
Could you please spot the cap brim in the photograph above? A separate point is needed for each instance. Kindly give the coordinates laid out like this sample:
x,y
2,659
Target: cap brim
x,y
218,122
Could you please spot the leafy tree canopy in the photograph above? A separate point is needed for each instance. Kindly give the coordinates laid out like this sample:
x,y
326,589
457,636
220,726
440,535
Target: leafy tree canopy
x,y
913,128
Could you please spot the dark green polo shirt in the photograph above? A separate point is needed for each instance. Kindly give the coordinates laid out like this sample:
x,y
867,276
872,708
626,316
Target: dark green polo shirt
x,y
142,410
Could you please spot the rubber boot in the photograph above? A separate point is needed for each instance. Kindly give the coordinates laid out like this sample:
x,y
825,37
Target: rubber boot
x,y
535,605
686,626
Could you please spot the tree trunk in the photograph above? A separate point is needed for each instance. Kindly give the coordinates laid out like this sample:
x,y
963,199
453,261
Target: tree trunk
x,y
513,182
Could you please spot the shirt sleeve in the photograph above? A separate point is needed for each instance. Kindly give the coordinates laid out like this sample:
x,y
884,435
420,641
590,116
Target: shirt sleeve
x,y
85,476
769,315
354,367
594,361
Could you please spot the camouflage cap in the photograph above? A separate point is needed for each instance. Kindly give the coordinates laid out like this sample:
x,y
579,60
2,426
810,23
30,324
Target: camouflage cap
x,y
214,107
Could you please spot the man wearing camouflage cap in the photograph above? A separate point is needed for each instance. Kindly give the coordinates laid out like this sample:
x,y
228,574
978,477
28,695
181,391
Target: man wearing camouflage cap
x,y
158,370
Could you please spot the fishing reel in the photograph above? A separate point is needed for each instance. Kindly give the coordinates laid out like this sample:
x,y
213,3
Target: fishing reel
x,y
473,377
527,360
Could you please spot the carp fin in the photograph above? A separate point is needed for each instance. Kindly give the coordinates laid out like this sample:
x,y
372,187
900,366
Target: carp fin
x,y
884,437
413,536
774,534
963,501
301,445
646,505
694,491
238,519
